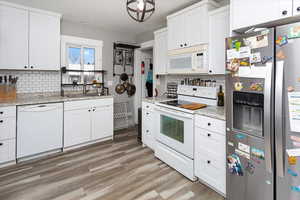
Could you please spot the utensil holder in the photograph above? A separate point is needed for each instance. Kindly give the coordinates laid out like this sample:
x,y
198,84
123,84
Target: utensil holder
x,y
8,92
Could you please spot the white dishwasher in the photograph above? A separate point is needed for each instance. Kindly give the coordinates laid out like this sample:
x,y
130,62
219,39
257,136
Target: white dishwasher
x,y
39,129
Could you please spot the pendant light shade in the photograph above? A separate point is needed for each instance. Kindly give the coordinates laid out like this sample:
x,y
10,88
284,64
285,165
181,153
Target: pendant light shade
x,y
140,10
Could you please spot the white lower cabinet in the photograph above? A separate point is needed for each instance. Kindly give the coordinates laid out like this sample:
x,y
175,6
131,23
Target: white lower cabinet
x,y
7,150
77,127
87,121
148,134
102,121
7,134
210,152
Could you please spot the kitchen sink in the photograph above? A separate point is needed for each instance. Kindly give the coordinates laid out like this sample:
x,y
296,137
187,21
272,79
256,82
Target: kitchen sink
x,y
82,95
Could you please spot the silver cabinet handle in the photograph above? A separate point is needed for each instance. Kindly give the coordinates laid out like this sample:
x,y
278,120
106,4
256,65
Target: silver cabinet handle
x,y
267,118
279,112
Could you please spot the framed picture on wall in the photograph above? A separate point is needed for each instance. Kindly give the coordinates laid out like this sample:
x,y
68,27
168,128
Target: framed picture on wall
x,y
129,58
119,59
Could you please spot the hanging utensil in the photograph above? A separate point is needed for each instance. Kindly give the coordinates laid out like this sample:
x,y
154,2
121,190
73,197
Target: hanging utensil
x,y
120,89
124,77
131,89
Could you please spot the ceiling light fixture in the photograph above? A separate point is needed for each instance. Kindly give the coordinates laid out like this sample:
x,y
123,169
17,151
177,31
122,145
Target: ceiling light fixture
x,y
140,10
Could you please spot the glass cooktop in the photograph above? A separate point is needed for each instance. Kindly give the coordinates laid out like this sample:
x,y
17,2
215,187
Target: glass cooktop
x,y
176,103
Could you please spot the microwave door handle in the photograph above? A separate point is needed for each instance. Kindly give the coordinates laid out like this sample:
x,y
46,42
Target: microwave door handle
x,y
268,104
279,124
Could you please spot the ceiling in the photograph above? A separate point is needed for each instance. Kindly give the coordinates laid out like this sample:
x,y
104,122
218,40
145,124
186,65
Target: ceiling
x,y
108,14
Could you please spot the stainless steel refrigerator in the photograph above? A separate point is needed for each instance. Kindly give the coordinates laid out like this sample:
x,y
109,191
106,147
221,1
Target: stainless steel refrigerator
x,y
263,114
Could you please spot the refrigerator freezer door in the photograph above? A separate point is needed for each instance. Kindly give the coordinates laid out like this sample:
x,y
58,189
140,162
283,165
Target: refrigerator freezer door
x,y
253,182
251,153
287,82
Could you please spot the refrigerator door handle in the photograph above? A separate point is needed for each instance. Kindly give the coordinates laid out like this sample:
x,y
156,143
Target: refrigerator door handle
x,y
279,123
267,117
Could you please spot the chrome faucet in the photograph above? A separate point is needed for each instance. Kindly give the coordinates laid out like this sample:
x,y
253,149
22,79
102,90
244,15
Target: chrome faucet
x,y
84,88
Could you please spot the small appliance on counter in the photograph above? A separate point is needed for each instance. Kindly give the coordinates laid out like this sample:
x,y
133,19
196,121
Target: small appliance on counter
x,y
175,126
172,90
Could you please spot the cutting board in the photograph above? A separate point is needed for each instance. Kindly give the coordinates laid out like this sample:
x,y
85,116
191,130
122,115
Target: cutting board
x,y
193,106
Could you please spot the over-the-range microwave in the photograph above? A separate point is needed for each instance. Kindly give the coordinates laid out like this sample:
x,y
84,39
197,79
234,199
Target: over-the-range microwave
x,y
189,60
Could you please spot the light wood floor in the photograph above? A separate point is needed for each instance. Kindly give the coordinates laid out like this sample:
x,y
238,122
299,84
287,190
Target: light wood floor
x,y
119,170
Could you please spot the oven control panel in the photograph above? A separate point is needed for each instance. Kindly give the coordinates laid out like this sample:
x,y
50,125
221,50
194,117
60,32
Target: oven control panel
x,y
197,91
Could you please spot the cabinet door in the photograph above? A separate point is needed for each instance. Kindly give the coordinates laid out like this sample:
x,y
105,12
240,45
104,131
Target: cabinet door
x,y
102,122
77,127
176,32
161,52
44,42
148,130
219,30
7,150
296,7
196,26
13,38
261,11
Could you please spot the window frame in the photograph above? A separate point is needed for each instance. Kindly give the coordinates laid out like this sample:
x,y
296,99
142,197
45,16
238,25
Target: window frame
x,y
77,42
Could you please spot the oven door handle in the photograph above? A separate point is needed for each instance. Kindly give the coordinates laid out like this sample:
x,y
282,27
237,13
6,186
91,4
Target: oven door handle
x,y
175,113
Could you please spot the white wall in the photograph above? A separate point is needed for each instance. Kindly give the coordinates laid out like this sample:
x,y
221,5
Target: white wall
x,y
144,37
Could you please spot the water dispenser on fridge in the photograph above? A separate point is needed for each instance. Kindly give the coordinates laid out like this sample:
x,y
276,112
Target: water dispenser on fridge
x,y
248,109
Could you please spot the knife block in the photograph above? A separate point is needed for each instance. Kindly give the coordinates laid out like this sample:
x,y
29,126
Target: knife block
x,y
8,92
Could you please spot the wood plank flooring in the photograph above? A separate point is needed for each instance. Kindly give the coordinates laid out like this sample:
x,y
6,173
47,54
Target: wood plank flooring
x,y
118,170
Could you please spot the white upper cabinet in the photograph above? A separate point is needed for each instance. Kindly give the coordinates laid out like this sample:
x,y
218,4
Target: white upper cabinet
x,y
219,30
296,7
29,38
161,51
44,41
176,33
13,38
196,26
189,27
260,12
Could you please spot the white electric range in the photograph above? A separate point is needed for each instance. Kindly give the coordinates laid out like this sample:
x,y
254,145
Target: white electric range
x,y
175,127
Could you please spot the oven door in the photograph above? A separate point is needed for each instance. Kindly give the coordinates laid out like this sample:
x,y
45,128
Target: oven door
x,y
176,130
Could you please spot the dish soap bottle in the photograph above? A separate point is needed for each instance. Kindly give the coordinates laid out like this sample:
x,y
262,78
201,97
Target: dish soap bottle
x,y
221,96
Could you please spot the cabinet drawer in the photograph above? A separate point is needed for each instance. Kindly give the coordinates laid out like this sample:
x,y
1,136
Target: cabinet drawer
x,y
7,128
7,150
211,170
7,112
148,106
210,124
210,141
86,104
148,139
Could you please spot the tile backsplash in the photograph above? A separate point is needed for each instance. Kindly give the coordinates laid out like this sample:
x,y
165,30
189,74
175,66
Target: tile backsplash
x,y
35,81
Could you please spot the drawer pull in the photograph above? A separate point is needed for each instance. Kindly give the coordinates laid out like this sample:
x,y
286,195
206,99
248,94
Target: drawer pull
x,y
147,131
298,9
1,144
147,106
208,135
209,124
147,113
1,112
208,162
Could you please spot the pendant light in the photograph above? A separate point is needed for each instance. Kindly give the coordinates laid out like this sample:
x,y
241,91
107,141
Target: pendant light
x,y
140,10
